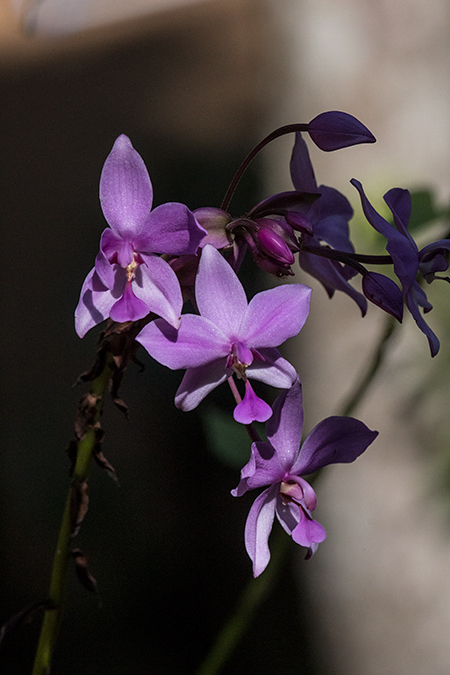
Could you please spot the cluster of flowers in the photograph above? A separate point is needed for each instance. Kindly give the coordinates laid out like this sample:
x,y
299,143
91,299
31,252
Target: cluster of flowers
x,y
150,262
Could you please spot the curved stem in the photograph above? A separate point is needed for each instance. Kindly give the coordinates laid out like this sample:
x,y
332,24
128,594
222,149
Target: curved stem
x,y
287,129
85,447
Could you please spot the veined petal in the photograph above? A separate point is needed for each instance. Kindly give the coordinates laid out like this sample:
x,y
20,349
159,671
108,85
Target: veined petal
x,y
126,192
157,285
196,343
258,527
198,382
275,315
170,228
219,293
333,440
284,429
94,304
274,370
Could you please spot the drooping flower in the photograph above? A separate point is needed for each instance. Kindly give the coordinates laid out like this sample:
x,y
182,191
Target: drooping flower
x,y
129,279
408,261
280,463
231,336
329,217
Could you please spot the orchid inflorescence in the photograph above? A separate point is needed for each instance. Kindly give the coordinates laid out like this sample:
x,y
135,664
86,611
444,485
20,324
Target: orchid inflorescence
x,y
150,262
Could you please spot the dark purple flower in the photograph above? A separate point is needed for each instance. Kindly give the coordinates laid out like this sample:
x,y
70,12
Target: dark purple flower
x,y
280,463
230,337
334,129
329,217
406,257
128,280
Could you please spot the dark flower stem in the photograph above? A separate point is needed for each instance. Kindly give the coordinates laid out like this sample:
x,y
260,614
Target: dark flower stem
x,y
52,617
348,258
281,131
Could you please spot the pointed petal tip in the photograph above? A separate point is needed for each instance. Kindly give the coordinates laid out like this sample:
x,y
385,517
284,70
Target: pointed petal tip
x,y
334,129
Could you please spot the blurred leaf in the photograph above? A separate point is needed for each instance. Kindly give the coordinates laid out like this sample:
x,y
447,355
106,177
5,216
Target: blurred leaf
x,y
228,441
424,209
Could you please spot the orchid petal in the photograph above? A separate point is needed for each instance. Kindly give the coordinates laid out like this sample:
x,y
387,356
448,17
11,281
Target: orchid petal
x,y
284,429
219,293
157,285
251,408
128,307
275,315
274,370
384,293
104,269
258,527
302,172
333,440
170,228
263,468
196,343
334,129
198,382
308,531
94,304
126,192
413,307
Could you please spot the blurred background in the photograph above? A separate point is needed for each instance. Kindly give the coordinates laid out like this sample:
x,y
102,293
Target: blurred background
x,y
195,84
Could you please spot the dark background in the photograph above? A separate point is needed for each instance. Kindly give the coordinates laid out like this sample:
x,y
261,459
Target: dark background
x,y
166,547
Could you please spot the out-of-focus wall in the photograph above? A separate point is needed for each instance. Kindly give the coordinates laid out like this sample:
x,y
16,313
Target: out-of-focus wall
x,y
379,587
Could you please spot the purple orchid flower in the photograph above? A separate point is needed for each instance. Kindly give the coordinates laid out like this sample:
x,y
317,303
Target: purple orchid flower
x,y
128,280
280,463
329,217
230,337
408,261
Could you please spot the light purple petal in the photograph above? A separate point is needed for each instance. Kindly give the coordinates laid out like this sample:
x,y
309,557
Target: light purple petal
x,y
219,293
198,382
258,527
170,228
284,429
274,370
196,343
333,440
251,408
263,468
308,531
128,307
125,189
104,269
94,304
156,284
275,315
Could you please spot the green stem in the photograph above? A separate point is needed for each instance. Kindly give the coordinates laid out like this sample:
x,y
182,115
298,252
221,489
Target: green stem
x,y
254,593
53,616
